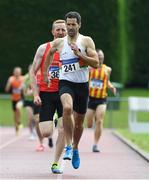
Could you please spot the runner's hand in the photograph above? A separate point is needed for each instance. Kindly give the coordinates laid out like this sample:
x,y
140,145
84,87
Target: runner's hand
x,y
37,100
75,49
114,90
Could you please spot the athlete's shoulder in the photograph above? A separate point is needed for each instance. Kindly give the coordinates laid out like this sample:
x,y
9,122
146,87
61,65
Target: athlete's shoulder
x,y
85,37
11,78
43,46
41,49
87,40
107,68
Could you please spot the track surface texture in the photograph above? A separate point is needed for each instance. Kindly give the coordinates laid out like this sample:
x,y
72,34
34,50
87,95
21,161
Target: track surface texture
x,y
19,160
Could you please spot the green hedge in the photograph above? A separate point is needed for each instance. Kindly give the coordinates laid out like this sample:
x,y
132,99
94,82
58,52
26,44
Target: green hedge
x,y
140,56
117,28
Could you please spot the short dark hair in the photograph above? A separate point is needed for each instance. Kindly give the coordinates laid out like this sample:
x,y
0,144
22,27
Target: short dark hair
x,y
73,14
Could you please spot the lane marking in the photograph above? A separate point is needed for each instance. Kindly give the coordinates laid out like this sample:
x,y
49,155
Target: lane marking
x,y
11,141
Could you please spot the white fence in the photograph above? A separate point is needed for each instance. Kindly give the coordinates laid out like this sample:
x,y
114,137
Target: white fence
x,y
136,104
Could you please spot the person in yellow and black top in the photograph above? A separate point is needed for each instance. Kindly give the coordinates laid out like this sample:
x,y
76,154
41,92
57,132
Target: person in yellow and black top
x,y
98,84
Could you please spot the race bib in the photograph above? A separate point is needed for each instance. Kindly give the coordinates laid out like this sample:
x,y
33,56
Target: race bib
x,y
16,91
95,83
53,72
67,68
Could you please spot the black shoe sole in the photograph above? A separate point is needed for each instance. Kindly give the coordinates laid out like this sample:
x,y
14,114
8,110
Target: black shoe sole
x,y
67,159
50,143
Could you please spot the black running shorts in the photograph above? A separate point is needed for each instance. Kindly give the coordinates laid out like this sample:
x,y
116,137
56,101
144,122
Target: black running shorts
x,y
14,103
50,103
79,93
94,102
29,103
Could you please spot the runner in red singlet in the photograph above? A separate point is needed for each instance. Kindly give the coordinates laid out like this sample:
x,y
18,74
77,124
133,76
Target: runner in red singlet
x,y
48,96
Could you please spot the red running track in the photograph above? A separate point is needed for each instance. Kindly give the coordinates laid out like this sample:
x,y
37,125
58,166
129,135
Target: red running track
x,y
19,160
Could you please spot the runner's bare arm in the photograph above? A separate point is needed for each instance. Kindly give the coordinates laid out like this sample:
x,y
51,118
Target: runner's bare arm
x,y
8,85
91,58
110,85
35,67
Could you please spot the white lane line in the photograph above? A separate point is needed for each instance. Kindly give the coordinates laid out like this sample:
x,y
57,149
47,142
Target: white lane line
x,y
10,142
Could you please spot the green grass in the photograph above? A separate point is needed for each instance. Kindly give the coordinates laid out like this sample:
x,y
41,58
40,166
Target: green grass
x,y
135,92
141,139
114,119
6,113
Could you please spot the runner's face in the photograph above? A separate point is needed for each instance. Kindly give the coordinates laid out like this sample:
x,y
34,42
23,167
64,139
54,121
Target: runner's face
x,y
59,30
17,72
72,26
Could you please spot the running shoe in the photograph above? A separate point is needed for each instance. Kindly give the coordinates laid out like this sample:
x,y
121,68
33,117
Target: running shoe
x,y
18,129
32,137
40,148
50,142
95,148
75,159
55,122
56,169
68,153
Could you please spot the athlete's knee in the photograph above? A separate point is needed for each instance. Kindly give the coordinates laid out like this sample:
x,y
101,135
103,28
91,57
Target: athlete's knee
x,y
78,125
46,128
99,122
36,119
19,105
89,121
67,109
45,132
89,125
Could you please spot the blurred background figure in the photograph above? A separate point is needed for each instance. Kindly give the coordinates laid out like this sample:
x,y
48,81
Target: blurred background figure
x,y
29,105
98,84
14,86
40,147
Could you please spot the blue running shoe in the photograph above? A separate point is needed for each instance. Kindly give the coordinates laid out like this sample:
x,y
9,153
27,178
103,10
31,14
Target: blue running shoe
x,y
68,153
75,159
56,169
